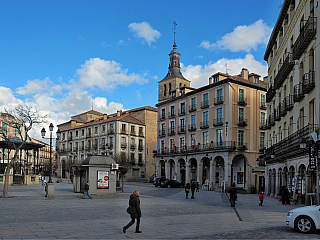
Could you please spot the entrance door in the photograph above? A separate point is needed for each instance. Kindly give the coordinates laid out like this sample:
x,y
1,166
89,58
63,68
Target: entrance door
x,y
261,184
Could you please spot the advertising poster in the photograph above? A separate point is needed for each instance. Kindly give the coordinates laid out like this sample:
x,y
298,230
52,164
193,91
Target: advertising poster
x,y
103,179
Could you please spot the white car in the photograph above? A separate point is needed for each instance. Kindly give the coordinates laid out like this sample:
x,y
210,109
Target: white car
x,y
304,219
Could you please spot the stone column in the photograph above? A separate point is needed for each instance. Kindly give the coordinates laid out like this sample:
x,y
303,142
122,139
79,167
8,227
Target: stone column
x,y
227,174
212,175
187,173
199,171
176,169
277,183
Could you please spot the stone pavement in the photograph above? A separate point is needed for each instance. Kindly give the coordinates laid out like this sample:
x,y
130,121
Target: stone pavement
x,y
166,214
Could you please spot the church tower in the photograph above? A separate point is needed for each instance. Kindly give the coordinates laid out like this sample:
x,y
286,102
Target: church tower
x,y
174,81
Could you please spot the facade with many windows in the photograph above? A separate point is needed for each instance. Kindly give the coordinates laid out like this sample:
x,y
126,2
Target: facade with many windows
x,y
214,133
292,99
120,134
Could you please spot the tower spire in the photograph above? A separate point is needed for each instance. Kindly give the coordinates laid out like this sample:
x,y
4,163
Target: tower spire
x,y
174,33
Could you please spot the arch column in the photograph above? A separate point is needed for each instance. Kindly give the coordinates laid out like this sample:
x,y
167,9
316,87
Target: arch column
x,y
212,174
227,173
188,172
199,171
176,169
276,193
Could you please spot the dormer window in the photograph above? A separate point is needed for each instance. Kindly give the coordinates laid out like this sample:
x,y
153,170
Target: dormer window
x,y
216,79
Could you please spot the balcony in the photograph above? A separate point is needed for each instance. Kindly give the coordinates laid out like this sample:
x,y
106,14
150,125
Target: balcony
x,y
242,101
263,106
140,147
140,163
162,133
182,111
276,114
282,109
270,94
88,148
124,131
308,82
141,134
70,138
289,102
242,146
81,148
192,108
218,100
181,129
204,125
242,122
284,70
110,131
88,135
162,117
132,146
205,104
192,127
261,148
171,114
297,93
306,35
123,145
271,121
133,133
171,131
263,125
217,122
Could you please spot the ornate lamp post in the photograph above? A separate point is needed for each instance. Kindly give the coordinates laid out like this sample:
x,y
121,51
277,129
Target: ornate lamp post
x,y
50,186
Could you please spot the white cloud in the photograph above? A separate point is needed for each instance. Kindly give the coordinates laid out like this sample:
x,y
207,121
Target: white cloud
x,y
145,31
7,99
243,38
199,75
106,75
33,86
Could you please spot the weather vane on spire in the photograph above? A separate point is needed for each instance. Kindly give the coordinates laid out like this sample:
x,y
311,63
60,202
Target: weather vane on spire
x,y
174,28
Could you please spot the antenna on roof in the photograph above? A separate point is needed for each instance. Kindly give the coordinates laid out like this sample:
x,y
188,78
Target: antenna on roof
x,y
227,68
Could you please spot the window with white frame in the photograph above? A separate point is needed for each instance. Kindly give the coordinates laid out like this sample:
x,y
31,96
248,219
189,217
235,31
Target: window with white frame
x,y
240,138
219,137
205,137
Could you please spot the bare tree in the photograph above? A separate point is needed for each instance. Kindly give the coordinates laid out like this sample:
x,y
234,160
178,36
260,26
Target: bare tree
x,y
125,165
22,118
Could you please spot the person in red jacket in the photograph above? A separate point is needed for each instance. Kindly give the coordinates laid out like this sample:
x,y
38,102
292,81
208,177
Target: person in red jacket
x,y
261,197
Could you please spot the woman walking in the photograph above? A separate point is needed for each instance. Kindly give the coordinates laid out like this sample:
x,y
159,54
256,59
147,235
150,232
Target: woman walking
x,y
134,211
187,190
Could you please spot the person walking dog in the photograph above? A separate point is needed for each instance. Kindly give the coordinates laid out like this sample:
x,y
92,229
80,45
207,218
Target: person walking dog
x,y
86,191
134,211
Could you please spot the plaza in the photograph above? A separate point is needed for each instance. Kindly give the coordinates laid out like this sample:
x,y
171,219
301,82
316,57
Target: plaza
x,y
166,214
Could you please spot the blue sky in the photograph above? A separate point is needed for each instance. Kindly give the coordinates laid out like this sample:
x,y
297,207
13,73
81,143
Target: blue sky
x,y
64,57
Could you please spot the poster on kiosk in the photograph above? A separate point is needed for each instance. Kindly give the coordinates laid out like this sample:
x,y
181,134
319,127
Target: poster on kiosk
x,y
103,179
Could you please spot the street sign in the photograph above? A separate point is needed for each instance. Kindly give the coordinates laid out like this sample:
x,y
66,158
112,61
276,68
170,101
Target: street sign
x,y
313,158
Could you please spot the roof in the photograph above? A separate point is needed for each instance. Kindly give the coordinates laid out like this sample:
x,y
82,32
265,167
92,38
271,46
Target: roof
x,y
277,27
89,112
98,160
26,145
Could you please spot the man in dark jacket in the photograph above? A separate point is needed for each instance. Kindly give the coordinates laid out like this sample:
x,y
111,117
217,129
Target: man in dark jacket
x,y
233,195
86,191
193,188
134,210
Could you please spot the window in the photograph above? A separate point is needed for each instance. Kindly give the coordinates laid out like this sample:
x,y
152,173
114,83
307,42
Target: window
x,y
132,130
241,114
169,88
240,138
89,132
164,90
123,140
262,137
256,79
182,143
219,115
182,124
193,103
162,146
172,111
163,128
103,128
205,118
193,140
132,157
172,144
193,120
140,144
123,128
140,131
82,132
263,100
219,96
241,95
172,126
262,119
140,158
219,137
63,136
96,130
163,113
76,133
206,99
132,141
216,79
205,138
182,108
4,127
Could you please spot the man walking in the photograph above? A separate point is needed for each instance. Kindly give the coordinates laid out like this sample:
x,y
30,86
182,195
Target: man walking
x,y
233,195
86,191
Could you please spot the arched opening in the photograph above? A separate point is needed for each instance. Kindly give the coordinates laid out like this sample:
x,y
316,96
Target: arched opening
x,y
238,171
193,163
171,170
291,181
302,183
205,170
219,175
162,169
182,175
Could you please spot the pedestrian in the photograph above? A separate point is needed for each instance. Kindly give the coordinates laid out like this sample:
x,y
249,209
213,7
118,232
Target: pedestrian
x,y
233,195
86,191
282,194
197,187
193,188
287,196
261,197
187,190
134,211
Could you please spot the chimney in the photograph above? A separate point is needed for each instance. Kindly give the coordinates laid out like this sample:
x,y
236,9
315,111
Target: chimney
x,y
244,73
105,116
119,112
210,80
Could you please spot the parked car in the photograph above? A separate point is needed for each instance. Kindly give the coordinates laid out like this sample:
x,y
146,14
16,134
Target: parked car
x,y
170,183
157,181
304,219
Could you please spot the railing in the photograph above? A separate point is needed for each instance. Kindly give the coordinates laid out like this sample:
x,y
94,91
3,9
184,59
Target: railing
x,y
192,127
88,135
181,129
133,133
282,108
182,111
162,133
289,102
132,146
171,131
242,101
276,114
263,125
205,104
110,131
263,106
270,94
297,92
140,147
284,70
70,138
218,100
162,117
242,146
123,131
217,122
305,37
171,114
193,108
141,134
242,122
308,82
213,146
123,145
204,124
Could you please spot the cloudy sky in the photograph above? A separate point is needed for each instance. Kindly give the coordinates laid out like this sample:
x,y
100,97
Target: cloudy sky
x,y
67,57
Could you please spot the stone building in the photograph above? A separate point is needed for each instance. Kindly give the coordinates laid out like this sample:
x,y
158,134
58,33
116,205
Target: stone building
x,y
213,134
292,99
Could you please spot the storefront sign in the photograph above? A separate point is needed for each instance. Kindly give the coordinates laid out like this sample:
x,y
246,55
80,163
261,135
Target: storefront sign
x,y
103,179
313,158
